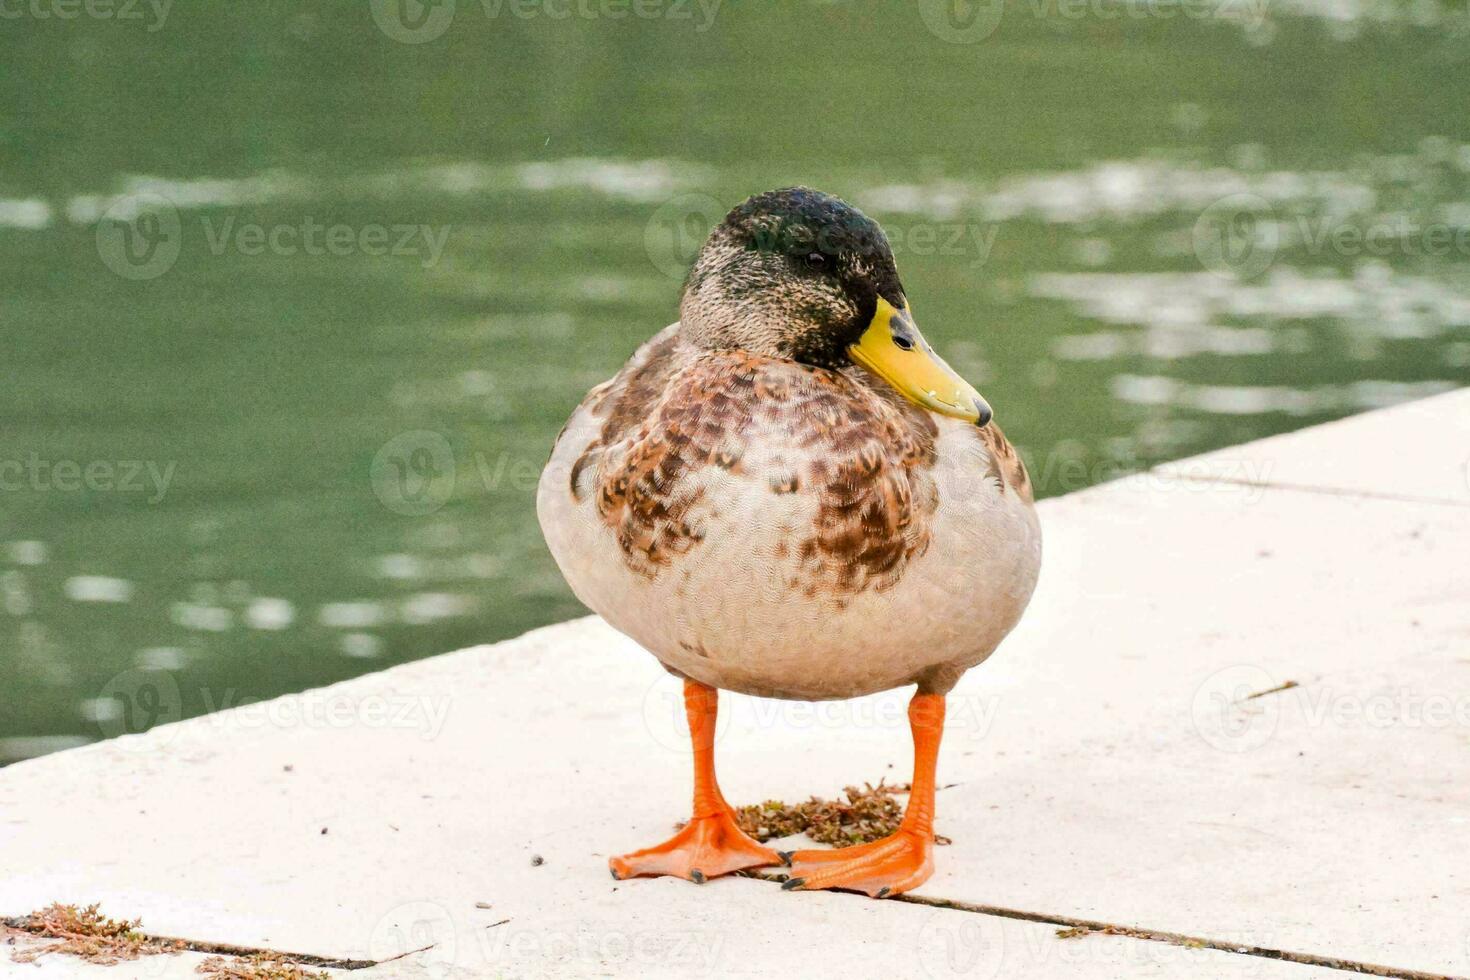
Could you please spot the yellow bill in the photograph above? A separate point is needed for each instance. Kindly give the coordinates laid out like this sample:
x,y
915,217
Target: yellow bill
x,y
894,350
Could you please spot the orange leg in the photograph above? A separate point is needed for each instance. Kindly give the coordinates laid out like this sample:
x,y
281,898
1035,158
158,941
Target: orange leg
x,y
904,859
711,844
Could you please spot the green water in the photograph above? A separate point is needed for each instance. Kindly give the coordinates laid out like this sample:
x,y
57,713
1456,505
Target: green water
x,y
291,310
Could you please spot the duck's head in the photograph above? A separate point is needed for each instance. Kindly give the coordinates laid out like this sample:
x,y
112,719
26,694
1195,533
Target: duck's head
x,y
801,275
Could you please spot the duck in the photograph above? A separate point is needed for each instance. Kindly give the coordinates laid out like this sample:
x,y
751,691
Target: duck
x,y
788,493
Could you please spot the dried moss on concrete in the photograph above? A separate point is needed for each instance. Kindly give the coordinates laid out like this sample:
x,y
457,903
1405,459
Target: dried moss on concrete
x,y
90,935
1081,932
261,966
868,814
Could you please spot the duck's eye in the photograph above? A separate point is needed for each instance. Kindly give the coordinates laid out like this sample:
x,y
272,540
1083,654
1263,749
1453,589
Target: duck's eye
x,y
815,260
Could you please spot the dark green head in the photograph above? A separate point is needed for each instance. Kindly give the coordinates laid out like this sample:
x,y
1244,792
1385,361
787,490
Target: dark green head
x,y
792,273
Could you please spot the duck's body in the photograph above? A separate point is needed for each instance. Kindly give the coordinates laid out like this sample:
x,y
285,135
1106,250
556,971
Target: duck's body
x,y
788,493
785,530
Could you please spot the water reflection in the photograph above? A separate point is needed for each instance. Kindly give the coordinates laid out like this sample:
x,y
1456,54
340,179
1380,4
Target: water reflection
x,y
1049,229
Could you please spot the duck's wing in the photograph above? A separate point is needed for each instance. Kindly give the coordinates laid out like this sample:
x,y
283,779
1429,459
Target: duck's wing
x,y
622,465
635,388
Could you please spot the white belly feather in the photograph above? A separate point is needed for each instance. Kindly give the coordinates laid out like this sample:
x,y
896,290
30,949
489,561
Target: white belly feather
x,y
731,613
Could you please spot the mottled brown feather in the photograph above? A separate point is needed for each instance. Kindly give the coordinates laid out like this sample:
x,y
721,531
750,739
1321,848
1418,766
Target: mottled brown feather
x,y
868,461
1005,463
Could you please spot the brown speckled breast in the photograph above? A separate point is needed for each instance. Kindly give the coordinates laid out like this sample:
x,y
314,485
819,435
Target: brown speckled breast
x,y
859,450
785,530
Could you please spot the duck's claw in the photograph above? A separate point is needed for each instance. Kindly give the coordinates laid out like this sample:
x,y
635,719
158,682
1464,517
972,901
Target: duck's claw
x,y
705,848
891,866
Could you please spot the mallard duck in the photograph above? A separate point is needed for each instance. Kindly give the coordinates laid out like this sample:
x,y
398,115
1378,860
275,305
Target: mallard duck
x,y
788,493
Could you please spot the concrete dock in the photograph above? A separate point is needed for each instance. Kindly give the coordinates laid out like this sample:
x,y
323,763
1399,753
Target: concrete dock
x,y
1231,738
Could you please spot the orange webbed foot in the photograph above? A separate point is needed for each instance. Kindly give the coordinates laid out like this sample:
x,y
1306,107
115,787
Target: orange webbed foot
x,y
707,847
902,861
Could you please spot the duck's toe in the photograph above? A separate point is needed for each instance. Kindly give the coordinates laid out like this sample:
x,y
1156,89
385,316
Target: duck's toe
x,y
891,866
705,848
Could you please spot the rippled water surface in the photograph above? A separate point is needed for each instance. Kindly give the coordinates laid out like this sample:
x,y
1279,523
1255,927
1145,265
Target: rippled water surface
x,y
291,308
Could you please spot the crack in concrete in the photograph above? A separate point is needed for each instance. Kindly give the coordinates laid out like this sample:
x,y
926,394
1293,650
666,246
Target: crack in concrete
x,y
228,949
1071,922
1151,935
1402,498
